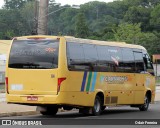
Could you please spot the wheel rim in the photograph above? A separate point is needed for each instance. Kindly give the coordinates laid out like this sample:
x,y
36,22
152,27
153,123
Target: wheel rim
x,y
145,102
97,105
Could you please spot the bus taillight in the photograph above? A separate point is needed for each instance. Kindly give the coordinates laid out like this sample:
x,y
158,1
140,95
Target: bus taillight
x,y
7,85
60,80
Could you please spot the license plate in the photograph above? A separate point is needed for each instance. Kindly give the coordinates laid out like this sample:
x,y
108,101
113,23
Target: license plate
x,y
32,98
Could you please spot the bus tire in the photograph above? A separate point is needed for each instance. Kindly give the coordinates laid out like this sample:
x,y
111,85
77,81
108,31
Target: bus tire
x,y
97,108
145,106
50,111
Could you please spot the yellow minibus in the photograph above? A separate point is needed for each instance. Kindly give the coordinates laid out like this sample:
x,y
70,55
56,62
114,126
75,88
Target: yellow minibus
x,y
52,72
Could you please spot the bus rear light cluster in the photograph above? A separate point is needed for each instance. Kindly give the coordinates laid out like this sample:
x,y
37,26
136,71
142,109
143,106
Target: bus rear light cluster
x,y
7,90
60,80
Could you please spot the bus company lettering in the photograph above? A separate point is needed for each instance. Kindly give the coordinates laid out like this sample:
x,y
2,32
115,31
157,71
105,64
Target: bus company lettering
x,y
116,79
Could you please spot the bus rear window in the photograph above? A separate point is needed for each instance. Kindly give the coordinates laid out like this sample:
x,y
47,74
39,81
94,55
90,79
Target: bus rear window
x,y
34,54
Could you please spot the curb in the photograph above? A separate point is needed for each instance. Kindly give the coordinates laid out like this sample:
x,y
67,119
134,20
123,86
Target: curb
x,y
19,113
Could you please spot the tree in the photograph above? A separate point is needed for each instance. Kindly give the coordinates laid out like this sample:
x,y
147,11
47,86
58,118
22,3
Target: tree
x,y
28,17
119,8
11,21
81,26
69,19
9,34
142,3
155,18
15,4
151,42
130,33
137,15
97,15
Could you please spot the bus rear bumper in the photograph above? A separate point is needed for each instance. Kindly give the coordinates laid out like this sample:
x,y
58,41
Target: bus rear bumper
x,y
63,98
32,99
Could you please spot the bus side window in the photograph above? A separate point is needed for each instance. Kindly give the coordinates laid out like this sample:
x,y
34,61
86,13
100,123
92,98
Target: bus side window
x,y
140,67
128,60
90,56
148,64
75,57
104,61
116,58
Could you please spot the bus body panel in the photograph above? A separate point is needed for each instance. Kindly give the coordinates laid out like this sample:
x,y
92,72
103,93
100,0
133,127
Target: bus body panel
x,y
39,82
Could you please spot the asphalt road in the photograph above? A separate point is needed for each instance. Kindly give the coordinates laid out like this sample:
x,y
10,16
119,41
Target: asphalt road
x,y
121,112
115,113
63,119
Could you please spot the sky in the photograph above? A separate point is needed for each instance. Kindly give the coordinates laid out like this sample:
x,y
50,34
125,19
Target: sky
x,y
70,2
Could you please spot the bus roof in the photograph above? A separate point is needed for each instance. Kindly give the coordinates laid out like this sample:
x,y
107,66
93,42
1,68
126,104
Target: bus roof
x,y
87,41
109,43
36,36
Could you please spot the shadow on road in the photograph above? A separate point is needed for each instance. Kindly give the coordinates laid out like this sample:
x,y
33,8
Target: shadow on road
x,y
75,114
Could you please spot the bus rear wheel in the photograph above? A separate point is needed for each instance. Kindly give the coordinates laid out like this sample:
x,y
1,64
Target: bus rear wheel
x,y
50,111
145,106
97,108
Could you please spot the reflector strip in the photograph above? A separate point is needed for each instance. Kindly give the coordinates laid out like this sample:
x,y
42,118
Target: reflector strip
x,y
89,81
94,81
84,81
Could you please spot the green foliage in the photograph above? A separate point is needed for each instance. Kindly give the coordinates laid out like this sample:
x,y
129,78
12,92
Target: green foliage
x,y
15,4
151,42
69,20
81,26
155,18
27,13
10,20
54,20
130,33
138,15
9,34
119,8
